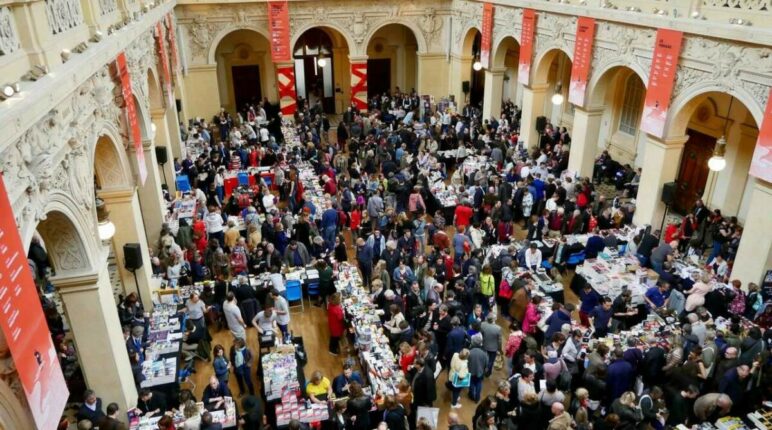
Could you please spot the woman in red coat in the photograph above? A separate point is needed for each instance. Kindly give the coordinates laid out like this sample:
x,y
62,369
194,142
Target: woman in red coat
x,y
335,322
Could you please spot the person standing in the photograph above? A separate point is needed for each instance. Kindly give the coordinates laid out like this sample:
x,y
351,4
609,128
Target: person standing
x,y
478,365
336,323
241,357
233,317
492,342
281,308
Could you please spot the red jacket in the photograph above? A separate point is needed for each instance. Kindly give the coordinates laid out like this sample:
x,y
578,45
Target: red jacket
x,y
356,218
335,320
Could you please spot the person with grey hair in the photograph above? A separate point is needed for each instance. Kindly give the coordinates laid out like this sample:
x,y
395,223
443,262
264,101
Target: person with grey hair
x,y
492,341
712,406
478,365
698,328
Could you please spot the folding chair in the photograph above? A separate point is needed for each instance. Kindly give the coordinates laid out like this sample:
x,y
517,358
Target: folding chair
x,y
294,292
313,290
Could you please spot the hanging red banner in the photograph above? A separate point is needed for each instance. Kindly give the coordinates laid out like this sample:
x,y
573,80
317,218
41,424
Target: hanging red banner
x,y
131,116
487,34
761,164
279,28
580,69
285,78
25,328
170,33
161,51
526,46
661,80
359,85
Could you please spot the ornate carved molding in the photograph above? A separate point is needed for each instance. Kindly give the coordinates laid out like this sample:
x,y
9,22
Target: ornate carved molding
x,y
63,15
107,6
9,40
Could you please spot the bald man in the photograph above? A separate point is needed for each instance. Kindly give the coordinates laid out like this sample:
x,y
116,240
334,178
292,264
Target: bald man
x,y
454,422
561,419
712,406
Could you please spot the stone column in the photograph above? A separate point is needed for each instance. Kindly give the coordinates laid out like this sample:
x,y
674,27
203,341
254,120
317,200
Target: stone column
x,y
150,197
661,162
584,140
163,139
177,149
90,308
201,92
428,80
533,107
359,81
494,87
460,71
754,256
125,213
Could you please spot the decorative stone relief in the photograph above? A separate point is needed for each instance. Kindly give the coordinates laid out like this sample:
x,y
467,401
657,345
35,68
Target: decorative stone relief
x,y
430,25
107,6
358,26
754,5
201,34
63,15
9,40
467,15
66,249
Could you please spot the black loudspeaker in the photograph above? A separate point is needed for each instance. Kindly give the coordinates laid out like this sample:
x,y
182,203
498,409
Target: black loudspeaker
x,y
465,86
178,104
541,122
161,155
132,254
669,193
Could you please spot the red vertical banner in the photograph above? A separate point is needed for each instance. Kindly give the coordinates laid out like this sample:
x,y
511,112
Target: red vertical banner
x,y
170,33
661,80
359,85
526,46
132,121
279,28
580,69
285,79
761,163
487,35
161,51
25,328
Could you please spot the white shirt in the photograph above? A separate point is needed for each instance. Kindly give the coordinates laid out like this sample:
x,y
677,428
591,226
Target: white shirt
x,y
525,171
533,258
213,222
264,135
281,305
551,205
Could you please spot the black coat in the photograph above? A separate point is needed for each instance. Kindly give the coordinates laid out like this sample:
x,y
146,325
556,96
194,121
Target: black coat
x,y
424,389
359,407
395,418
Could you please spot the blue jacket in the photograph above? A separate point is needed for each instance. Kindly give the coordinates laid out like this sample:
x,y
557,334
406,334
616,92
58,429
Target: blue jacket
x,y
619,378
595,245
456,341
555,322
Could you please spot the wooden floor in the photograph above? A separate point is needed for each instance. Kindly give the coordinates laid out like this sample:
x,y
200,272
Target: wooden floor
x,y
311,324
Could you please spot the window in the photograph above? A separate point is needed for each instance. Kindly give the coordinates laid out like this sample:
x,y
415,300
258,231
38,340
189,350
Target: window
x,y
632,105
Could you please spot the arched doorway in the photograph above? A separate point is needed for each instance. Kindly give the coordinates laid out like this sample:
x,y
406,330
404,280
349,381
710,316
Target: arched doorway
x,y
554,71
506,58
620,93
321,63
705,119
245,72
473,77
392,62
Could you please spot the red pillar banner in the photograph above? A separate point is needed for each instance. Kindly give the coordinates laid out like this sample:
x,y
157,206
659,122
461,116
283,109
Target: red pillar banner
x,y
359,85
487,34
25,328
580,69
761,164
661,80
161,51
132,121
285,78
170,32
279,27
526,46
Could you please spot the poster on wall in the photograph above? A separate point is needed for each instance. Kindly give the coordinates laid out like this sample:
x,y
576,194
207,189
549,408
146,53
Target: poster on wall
x,y
279,29
170,34
487,34
580,70
761,164
161,51
359,85
25,327
131,116
526,46
285,79
664,64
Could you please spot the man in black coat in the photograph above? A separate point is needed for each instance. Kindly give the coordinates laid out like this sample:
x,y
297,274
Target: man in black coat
x,y
424,389
91,409
151,403
652,363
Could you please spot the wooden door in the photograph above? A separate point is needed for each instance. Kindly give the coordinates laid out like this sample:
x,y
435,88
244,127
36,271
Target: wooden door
x,y
246,85
693,173
378,76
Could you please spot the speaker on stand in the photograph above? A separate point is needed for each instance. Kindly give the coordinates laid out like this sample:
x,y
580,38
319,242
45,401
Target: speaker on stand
x,y
132,261
669,190
163,157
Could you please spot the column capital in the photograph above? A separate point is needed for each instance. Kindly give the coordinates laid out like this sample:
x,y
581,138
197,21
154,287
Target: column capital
x,y
147,143
77,283
496,71
116,195
284,64
357,58
669,142
537,88
590,110
157,113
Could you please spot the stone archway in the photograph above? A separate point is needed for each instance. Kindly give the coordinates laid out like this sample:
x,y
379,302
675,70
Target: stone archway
x,y
322,58
392,59
504,60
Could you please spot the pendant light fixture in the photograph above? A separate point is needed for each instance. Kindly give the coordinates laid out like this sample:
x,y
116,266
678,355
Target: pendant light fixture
x,y
557,98
717,162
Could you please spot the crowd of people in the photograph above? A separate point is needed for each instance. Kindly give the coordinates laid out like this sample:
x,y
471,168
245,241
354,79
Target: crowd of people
x,y
448,307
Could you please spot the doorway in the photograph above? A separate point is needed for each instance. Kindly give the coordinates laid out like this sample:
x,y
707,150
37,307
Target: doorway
x,y
378,76
693,173
246,85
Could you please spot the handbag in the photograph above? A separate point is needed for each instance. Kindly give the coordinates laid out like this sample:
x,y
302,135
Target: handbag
x,y
462,382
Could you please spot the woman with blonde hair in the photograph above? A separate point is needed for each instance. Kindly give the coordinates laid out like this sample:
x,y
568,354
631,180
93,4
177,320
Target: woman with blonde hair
x,y
254,237
580,405
380,273
626,407
459,376
192,416
695,297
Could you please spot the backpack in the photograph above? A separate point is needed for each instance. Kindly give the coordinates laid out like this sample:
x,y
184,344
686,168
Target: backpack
x,y
505,290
